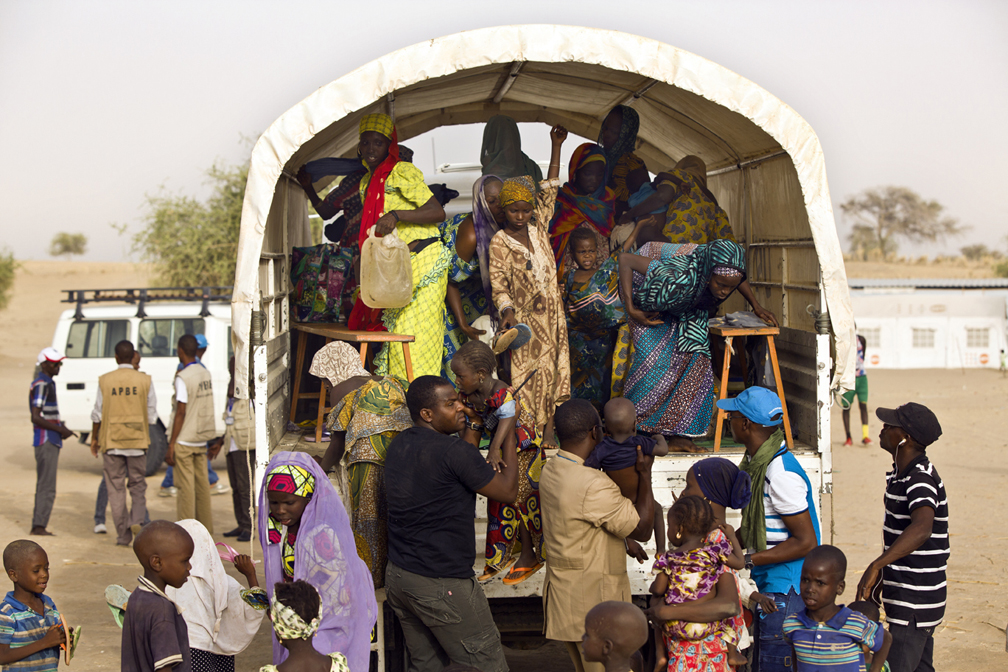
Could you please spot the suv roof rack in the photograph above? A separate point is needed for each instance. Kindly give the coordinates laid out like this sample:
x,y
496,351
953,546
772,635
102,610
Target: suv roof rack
x,y
142,295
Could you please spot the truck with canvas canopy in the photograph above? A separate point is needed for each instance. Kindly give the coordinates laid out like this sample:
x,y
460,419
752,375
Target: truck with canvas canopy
x,y
765,167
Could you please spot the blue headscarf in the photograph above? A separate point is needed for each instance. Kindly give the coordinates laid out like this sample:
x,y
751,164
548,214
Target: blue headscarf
x,y
722,482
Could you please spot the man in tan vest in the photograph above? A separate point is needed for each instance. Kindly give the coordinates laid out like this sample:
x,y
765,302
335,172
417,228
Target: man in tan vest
x,y
192,426
124,408
585,523
239,441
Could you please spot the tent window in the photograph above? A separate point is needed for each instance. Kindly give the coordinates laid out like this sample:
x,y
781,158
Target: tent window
x,y
923,338
978,338
872,337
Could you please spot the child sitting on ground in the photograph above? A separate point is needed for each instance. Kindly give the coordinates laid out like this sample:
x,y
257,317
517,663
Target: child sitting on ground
x,y
296,612
31,629
689,573
502,413
871,610
155,636
824,633
614,631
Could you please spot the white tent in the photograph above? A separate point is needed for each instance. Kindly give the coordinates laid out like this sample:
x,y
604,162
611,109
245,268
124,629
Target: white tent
x,y
765,164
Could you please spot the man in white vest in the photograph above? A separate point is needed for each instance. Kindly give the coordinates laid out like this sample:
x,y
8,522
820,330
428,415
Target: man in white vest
x,y
124,408
192,426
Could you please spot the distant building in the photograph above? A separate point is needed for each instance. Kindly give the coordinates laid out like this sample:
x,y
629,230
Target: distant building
x,y
931,323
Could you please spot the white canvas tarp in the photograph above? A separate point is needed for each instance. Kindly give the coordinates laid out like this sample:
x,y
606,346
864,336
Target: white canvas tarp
x,y
573,76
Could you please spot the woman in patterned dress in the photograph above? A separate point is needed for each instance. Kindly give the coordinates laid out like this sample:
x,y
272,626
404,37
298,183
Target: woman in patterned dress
x,y
525,290
584,201
693,215
668,291
506,418
467,237
367,413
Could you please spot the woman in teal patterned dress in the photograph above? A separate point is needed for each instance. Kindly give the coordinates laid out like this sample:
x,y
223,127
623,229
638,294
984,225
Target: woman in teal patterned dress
x,y
468,237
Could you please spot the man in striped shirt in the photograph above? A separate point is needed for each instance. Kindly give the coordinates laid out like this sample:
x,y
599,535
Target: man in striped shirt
x,y
48,436
915,538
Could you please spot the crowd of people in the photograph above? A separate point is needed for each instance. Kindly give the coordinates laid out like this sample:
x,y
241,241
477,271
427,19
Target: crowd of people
x,y
574,317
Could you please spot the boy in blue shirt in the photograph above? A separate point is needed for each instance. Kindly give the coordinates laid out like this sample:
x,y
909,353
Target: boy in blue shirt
x,y
827,636
31,629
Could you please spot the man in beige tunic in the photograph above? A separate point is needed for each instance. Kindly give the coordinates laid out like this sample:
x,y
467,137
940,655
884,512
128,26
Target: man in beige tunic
x,y
585,523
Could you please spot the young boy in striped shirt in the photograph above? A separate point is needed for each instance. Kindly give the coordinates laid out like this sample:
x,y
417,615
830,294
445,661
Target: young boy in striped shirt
x,y
31,629
827,636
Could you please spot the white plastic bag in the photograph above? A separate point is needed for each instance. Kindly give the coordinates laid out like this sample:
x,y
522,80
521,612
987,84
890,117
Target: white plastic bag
x,y
386,272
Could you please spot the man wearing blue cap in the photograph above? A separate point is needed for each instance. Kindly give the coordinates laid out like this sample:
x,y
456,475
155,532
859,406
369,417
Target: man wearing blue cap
x,y
779,525
217,487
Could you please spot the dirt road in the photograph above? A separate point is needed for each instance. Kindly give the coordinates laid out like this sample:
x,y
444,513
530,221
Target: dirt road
x,y
972,457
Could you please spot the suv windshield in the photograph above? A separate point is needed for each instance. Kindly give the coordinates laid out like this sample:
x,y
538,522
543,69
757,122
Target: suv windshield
x,y
159,338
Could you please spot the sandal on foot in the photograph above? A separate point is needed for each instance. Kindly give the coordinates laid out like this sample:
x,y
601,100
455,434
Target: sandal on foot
x,y
489,572
519,574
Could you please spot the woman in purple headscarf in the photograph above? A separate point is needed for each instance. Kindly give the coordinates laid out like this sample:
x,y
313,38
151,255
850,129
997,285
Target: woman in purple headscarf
x,y
306,535
468,236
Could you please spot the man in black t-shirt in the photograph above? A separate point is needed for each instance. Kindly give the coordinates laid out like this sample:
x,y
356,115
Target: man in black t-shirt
x,y
431,479
915,536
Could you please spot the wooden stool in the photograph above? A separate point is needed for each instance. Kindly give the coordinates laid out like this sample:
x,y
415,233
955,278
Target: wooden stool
x,y
339,332
729,332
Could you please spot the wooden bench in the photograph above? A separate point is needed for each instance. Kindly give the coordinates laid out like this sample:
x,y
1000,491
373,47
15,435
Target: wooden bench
x,y
338,332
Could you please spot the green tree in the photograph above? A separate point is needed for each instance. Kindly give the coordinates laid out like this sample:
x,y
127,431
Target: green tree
x,y
67,244
7,268
884,215
976,252
193,243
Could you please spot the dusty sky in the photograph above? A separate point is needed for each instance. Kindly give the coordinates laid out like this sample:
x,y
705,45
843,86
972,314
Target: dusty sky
x,y
104,102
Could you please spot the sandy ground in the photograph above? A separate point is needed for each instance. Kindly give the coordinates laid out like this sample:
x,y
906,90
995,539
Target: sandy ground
x,y
972,457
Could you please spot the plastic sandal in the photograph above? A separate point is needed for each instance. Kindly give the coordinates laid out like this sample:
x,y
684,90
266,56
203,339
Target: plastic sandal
x,y
116,597
226,552
519,574
72,637
489,573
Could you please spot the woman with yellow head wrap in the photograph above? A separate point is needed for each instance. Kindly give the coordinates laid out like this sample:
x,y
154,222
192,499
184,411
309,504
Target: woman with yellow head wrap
x,y
397,202
524,282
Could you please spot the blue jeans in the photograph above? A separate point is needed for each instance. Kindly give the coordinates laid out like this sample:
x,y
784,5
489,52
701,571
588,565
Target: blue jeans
x,y
169,479
772,652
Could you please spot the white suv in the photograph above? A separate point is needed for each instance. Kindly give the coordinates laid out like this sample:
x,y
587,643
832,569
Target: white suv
x,y
87,336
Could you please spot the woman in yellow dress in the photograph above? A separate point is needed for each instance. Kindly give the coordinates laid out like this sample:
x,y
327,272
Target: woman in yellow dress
x,y
395,199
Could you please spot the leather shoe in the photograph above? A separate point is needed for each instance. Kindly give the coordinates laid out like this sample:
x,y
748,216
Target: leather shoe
x,y
233,533
245,536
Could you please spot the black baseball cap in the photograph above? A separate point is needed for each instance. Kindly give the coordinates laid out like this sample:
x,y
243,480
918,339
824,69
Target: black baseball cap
x,y
915,419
